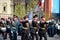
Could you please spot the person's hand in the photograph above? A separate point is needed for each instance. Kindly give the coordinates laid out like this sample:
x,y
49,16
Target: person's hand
x,y
25,28
35,27
45,25
43,28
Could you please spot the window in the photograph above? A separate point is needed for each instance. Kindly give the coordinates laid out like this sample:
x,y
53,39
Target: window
x,y
14,6
4,8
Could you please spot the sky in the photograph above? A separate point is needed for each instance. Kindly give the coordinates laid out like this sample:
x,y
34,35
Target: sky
x,y
55,6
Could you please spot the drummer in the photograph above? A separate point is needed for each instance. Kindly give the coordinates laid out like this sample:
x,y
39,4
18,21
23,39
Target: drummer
x,y
25,29
34,30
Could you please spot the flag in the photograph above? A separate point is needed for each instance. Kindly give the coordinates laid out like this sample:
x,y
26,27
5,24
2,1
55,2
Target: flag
x,y
29,15
40,6
39,2
37,8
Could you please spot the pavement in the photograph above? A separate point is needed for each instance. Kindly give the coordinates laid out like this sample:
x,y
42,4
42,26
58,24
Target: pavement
x,y
56,37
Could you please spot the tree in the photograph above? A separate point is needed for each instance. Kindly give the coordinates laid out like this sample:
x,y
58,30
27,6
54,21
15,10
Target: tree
x,y
19,10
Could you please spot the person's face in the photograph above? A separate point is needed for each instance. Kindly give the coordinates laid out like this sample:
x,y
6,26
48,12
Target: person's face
x,y
15,18
8,20
36,18
43,20
26,19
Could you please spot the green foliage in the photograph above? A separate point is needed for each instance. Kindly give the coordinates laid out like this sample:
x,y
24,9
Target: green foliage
x,y
32,5
19,10
46,16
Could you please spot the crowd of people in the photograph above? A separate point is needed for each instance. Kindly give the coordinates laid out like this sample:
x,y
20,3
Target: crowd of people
x,y
29,29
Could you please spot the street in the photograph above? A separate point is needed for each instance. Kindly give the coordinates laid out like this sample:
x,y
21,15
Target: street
x,y
49,38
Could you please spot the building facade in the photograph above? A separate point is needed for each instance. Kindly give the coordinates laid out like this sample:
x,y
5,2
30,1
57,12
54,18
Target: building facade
x,y
6,8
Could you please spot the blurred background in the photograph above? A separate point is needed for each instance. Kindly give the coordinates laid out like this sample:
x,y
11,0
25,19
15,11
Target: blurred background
x,y
20,8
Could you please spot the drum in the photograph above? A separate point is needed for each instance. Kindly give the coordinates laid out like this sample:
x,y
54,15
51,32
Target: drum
x,y
3,29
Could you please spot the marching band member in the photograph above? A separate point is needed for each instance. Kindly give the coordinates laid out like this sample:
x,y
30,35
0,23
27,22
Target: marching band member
x,y
43,28
58,27
34,30
25,29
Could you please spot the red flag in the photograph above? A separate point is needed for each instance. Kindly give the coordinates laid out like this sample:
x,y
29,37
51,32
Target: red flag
x,y
40,6
39,2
